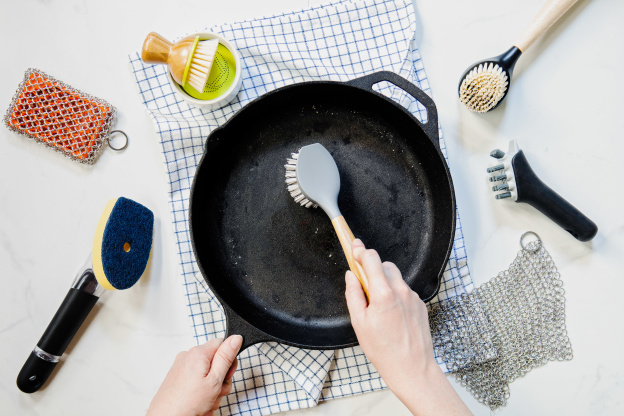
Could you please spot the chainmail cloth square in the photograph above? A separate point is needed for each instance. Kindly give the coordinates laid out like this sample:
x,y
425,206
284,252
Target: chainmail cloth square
x,y
505,327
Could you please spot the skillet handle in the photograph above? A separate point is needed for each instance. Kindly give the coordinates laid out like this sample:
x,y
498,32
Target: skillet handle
x,y
431,126
235,325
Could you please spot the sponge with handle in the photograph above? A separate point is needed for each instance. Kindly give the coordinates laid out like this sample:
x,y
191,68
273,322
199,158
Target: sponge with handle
x,y
121,250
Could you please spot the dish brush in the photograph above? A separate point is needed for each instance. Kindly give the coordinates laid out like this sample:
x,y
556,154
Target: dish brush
x,y
189,60
313,180
484,85
520,183
121,249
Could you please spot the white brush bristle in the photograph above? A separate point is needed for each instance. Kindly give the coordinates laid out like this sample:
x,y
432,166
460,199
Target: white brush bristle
x,y
201,63
292,185
483,87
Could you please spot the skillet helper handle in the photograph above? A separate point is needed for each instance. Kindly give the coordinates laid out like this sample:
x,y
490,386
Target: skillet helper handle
x,y
431,126
57,336
533,191
346,237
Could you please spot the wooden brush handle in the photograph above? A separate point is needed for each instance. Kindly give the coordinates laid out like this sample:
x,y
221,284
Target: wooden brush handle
x,y
158,50
346,237
155,49
551,11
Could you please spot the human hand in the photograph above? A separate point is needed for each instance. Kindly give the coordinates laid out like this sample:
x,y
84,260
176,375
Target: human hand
x,y
198,379
393,331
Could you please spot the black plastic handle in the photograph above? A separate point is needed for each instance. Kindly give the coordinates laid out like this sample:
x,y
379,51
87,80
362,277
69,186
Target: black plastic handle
x,y
57,336
431,126
536,193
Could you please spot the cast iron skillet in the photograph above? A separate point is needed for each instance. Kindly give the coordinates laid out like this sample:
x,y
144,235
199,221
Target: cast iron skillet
x,y
277,268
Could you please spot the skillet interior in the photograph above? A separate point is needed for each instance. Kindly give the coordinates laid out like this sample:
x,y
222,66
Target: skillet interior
x,y
280,266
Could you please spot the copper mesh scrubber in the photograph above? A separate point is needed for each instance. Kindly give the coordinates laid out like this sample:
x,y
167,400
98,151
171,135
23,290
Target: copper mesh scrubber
x,y
61,117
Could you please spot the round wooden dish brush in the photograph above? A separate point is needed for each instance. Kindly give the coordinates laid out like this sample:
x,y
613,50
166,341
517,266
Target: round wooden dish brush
x,y
189,60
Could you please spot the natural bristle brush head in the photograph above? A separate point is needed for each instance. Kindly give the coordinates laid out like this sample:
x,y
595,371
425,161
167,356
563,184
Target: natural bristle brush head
x,y
483,87
201,63
122,243
312,178
485,84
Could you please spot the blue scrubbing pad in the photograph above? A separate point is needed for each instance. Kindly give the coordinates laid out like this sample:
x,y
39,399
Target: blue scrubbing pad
x,y
122,243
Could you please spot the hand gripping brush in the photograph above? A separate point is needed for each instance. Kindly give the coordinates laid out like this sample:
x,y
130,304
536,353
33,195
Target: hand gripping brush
x,y
313,180
519,182
121,250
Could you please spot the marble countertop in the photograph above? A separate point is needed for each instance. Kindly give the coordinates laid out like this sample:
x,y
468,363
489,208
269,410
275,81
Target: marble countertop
x,y
565,109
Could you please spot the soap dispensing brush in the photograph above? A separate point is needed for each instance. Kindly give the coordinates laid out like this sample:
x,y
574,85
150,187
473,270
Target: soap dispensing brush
x,y
520,183
121,249
312,178
189,60
484,85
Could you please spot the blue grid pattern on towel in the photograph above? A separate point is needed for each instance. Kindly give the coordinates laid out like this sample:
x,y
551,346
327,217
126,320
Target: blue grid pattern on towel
x,y
340,41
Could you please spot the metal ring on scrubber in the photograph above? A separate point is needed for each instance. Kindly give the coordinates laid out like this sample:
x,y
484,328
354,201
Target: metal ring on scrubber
x,y
117,148
538,242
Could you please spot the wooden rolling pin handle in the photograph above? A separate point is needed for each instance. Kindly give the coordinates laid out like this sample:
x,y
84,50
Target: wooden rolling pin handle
x,y
155,49
346,237
550,12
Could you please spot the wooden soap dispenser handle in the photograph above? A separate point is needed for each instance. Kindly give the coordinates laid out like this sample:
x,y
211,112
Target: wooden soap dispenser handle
x,y
158,50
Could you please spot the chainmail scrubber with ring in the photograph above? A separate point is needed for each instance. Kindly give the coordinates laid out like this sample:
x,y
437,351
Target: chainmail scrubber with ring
x,y
505,327
61,117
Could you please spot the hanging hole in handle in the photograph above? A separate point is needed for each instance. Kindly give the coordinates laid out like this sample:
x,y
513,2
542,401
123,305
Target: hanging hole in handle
x,y
119,143
402,98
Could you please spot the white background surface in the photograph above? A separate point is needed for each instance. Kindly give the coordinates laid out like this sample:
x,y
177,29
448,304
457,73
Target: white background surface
x,y
565,108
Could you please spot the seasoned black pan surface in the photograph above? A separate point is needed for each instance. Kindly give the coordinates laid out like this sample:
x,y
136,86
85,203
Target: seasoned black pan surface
x,y
278,268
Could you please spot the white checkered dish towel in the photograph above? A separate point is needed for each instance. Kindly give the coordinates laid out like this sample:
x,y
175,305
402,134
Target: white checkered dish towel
x,y
337,42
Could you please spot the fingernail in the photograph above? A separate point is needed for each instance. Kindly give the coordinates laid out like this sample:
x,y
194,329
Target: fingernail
x,y
357,242
236,341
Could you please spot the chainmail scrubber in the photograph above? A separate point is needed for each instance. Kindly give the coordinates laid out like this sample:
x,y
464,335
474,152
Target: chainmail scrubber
x,y
504,328
61,117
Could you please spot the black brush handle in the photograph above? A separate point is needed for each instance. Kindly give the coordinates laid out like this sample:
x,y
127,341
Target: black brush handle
x,y
533,191
57,336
